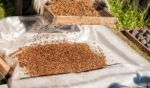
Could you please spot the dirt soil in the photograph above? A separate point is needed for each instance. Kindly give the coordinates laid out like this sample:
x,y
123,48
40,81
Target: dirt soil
x,y
51,59
73,8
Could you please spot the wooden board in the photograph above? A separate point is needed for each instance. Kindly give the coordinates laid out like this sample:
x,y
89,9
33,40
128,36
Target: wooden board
x,y
4,67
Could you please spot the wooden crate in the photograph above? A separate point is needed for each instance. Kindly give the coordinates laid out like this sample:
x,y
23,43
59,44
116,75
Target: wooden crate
x,y
105,18
135,41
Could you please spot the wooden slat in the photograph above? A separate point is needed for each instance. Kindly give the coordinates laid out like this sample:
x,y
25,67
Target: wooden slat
x,y
4,67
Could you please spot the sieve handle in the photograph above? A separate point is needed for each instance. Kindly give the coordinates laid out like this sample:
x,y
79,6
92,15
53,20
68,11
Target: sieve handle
x,y
4,67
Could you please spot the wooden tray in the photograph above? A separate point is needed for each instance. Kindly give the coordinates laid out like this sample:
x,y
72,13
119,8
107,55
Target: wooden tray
x,y
138,43
105,19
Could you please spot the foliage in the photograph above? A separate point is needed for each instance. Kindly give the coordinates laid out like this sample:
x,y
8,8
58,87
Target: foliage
x,y
6,8
2,11
130,14
2,81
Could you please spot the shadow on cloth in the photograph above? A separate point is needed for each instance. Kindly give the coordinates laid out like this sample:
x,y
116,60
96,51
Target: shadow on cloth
x,y
140,81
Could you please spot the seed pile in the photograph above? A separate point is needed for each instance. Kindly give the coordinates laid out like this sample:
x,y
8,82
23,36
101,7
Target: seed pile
x,y
73,8
50,59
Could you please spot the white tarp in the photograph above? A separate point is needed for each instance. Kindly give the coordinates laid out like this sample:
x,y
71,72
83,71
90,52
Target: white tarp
x,y
3,86
129,69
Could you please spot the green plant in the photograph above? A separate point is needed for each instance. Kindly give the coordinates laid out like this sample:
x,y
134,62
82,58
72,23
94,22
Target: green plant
x,y
6,8
2,11
2,80
130,14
